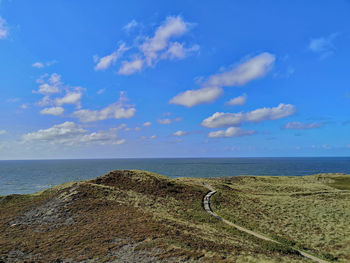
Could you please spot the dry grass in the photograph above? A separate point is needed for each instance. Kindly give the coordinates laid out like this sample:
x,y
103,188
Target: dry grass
x,y
311,212
149,211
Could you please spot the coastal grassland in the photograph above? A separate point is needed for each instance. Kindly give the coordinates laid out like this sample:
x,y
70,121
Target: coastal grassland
x,y
311,212
134,216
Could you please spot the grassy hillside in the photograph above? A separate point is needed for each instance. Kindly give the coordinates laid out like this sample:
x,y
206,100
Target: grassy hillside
x,y
310,212
137,216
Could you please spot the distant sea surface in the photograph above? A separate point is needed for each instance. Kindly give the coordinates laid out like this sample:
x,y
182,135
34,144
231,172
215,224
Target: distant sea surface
x,y
31,176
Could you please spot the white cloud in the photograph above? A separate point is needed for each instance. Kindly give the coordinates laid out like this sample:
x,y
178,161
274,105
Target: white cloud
x,y
2,132
149,138
241,74
180,133
4,30
56,111
71,97
238,101
24,106
168,121
221,119
117,110
146,124
177,50
130,67
302,126
191,98
43,64
159,46
323,45
164,121
70,133
105,62
100,91
45,101
172,27
49,86
231,132
38,65
253,68
132,24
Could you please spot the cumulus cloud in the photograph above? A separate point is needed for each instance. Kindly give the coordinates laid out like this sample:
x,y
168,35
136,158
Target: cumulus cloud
x,y
56,111
301,126
238,101
2,132
146,124
49,85
168,121
241,74
106,61
323,45
71,97
191,98
160,46
231,132
70,133
221,119
180,133
117,110
4,30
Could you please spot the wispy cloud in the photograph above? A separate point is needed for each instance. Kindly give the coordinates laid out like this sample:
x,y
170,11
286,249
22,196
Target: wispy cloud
x,y
221,119
129,26
302,126
150,49
239,75
2,132
4,30
43,64
168,121
323,46
106,61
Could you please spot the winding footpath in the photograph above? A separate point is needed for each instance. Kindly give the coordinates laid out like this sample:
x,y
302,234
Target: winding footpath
x,y
206,205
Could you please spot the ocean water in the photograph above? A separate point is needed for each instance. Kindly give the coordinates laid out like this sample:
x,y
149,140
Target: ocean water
x,y
32,176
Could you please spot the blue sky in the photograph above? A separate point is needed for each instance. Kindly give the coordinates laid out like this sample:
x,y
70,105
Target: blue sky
x,y
111,79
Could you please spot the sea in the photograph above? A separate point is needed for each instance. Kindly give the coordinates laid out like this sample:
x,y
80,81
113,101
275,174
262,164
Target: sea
x,y
29,176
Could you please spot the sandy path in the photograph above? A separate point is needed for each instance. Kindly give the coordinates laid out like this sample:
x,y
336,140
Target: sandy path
x,y
206,204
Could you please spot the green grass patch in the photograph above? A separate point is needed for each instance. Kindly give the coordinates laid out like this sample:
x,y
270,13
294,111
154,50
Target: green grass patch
x,y
341,182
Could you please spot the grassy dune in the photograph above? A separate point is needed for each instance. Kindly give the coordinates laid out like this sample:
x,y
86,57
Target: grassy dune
x,y
310,212
139,216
